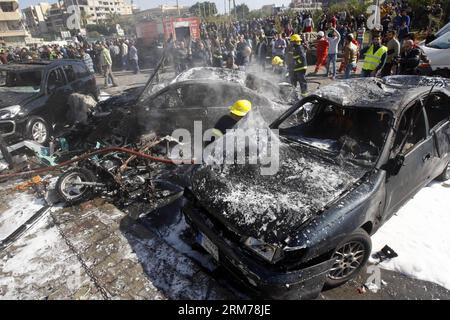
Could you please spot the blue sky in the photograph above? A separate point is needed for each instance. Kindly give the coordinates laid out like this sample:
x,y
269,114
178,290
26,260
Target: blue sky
x,y
145,4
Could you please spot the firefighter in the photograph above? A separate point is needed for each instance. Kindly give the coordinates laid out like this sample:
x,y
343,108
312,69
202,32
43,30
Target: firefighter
x,y
374,57
278,66
297,63
237,111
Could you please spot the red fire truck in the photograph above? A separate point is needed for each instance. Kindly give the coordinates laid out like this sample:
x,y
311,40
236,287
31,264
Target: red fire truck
x,y
180,28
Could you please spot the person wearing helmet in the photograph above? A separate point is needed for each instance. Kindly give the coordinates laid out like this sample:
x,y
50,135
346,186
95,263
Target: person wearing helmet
x,y
321,50
297,63
237,111
278,65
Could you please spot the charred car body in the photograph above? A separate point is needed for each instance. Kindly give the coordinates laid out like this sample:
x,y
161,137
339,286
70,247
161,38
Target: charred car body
x,y
35,97
367,147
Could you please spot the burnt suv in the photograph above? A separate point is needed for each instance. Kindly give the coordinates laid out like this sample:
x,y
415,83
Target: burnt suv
x,y
34,97
350,155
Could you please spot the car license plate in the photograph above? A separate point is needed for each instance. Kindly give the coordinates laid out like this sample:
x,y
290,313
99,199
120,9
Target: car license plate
x,y
208,245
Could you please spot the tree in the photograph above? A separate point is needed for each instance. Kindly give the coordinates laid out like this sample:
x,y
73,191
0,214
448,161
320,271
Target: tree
x,y
204,9
242,11
113,18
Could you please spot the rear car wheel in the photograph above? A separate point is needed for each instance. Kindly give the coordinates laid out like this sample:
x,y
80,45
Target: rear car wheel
x,y
350,257
69,188
444,176
38,130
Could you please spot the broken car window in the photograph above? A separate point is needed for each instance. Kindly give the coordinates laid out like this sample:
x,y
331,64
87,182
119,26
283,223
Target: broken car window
x,y
70,74
55,79
166,100
352,133
412,117
438,110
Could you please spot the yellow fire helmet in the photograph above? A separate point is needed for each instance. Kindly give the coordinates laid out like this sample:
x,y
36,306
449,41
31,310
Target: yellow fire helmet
x,y
241,107
277,61
296,38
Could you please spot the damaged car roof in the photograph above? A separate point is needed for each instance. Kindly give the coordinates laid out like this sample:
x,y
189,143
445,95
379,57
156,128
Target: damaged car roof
x,y
390,93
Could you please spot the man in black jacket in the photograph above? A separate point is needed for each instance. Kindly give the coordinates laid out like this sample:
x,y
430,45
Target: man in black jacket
x,y
409,58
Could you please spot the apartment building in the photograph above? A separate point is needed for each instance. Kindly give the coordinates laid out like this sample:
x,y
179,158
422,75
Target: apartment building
x,y
35,18
12,30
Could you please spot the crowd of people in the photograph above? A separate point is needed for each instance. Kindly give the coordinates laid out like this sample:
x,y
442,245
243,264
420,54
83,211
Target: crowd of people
x,y
281,42
100,57
388,49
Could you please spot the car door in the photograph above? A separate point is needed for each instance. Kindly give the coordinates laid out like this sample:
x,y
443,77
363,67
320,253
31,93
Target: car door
x,y
85,82
75,83
438,115
418,151
58,91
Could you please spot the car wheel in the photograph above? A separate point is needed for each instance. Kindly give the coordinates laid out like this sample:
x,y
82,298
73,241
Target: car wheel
x,y
68,187
38,130
444,176
350,257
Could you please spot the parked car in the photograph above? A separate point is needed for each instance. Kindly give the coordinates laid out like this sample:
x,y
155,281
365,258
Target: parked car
x,y
367,146
35,96
438,52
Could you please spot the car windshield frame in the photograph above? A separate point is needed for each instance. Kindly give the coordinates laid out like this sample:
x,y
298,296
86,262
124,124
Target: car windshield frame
x,y
314,145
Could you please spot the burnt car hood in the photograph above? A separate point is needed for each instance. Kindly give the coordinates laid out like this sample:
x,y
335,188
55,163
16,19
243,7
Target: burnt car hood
x,y
9,98
270,207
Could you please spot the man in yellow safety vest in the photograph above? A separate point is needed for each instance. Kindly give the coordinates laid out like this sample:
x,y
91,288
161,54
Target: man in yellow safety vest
x,y
374,57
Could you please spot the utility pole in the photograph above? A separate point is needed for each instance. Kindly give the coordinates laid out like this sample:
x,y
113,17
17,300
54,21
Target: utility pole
x,y
178,8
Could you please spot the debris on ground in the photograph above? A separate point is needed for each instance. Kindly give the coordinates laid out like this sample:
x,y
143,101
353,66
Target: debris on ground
x,y
385,253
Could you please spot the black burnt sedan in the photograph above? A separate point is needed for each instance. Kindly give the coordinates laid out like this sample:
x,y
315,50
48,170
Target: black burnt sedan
x,y
350,155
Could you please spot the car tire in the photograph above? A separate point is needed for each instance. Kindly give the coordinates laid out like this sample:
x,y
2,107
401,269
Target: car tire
x,y
70,193
445,175
351,256
38,130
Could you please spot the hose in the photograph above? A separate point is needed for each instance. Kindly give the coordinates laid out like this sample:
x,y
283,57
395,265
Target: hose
x,y
91,154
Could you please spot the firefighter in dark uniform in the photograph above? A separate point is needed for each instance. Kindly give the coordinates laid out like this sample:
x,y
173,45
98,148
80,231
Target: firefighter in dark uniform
x,y
297,63
237,111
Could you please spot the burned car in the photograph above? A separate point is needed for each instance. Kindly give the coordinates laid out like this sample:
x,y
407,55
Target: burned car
x,y
176,106
35,97
365,148
282,93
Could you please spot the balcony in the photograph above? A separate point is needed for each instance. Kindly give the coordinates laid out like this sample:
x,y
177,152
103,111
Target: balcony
x,y
10,16
13,33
